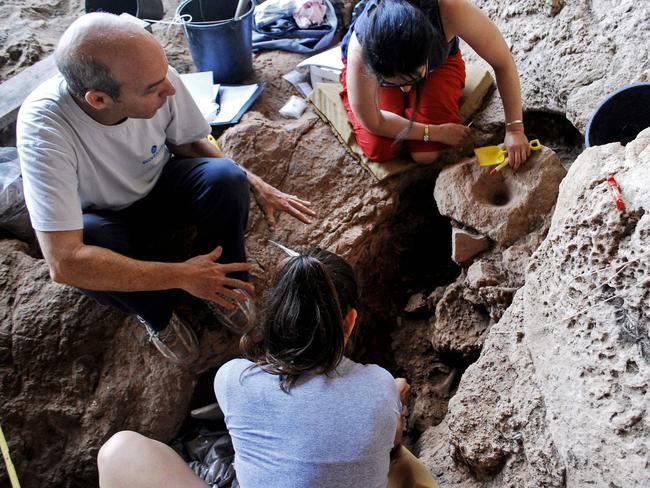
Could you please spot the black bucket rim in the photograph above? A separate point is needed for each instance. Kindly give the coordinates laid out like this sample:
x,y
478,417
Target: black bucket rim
x,y
91,6
142,9
605,102
209,23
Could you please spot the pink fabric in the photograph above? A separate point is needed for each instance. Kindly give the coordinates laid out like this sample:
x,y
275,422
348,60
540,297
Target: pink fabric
x,y
309,12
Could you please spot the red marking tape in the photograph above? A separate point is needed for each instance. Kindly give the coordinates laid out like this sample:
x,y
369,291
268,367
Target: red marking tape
x,y
615,192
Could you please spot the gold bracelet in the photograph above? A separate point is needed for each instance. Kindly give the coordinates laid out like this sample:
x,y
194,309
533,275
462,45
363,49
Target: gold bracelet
x,y
508,124
426,133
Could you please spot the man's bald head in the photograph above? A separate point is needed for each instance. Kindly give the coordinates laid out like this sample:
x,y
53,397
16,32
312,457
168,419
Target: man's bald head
x,y
91,47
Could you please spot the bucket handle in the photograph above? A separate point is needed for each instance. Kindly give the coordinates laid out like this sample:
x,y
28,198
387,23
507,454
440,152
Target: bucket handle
x,y
241,7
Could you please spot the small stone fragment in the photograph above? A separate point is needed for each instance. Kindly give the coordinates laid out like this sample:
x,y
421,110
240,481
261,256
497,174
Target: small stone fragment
x,y
416,304
465,245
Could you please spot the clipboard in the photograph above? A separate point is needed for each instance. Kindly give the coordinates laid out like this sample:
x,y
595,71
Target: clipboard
x,y
234,101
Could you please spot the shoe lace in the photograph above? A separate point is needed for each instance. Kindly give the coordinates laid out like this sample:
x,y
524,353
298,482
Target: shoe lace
x,y
153,334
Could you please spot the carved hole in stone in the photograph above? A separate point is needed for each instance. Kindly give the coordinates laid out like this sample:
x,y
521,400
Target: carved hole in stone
x,y
500,198
493,190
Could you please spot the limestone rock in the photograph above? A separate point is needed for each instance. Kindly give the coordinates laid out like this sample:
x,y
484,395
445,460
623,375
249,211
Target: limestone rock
x,y
603,350
458,326
417,304
558,396
504,206
484,273
465,245
570,55
479,297
435,296
495,428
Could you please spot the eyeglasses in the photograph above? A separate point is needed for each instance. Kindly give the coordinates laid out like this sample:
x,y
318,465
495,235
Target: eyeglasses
x,y
412,81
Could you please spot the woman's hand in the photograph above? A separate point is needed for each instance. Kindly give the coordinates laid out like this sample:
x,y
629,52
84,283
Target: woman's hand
x,y
516,143
450,134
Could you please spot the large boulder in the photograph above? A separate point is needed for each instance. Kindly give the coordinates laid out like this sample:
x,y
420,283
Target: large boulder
x,y
504,206
513,209
570,55
559,395
74,372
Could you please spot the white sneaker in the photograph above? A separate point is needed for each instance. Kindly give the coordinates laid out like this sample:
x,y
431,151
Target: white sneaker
x,y
176,342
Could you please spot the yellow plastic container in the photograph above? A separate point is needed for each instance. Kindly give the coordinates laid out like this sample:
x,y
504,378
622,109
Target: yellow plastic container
x,y
494,155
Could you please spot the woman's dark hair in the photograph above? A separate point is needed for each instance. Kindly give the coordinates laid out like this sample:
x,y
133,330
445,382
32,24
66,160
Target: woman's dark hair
x,y
303,322
400,39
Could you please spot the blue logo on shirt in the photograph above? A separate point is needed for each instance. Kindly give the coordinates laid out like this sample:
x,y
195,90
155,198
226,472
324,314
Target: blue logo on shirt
x,y
157,152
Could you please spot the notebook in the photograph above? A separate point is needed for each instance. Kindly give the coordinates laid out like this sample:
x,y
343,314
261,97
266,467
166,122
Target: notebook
x,y
221,104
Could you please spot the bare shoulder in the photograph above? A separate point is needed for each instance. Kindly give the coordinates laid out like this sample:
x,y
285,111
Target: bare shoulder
x,y
355,56
452,7
354,46
461,17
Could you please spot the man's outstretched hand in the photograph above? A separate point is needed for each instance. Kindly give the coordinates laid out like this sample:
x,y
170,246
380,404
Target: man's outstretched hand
x,y
272,200
207,279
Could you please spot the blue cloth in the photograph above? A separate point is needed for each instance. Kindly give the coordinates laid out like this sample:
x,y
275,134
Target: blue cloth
x,y
278,30
211,194
330,431
359,23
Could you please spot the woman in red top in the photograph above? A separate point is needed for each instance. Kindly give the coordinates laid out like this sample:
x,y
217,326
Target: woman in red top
x,y
404,75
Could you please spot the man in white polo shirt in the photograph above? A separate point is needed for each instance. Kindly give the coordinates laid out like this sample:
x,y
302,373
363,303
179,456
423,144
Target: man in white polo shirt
x,y
114,155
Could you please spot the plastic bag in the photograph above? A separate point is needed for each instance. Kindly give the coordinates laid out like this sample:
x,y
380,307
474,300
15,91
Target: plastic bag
x,y
210,454
13,212
294,108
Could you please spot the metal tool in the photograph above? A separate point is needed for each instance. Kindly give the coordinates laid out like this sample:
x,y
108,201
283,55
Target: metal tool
x,y
287,251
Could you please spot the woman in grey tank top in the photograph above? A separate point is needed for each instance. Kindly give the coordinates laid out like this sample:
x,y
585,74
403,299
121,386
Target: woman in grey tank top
x,y
300,414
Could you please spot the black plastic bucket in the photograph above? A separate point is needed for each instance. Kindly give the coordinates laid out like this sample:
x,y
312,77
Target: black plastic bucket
x,y
217,41
620,117
143,9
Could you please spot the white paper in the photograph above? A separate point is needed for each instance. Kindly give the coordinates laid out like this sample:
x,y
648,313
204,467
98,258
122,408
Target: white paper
x,y
327,59
202,90
232,99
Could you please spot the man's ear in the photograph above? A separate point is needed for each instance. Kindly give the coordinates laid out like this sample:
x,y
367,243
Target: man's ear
x,y
349,322
98,99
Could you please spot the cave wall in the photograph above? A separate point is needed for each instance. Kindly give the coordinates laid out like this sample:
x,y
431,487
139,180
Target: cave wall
x,y
559,394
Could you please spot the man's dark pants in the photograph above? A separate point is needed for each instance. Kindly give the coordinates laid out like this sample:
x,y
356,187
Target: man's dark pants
x,y
208,193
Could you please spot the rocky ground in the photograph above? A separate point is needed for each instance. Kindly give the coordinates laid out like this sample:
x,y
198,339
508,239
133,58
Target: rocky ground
x,y
526,371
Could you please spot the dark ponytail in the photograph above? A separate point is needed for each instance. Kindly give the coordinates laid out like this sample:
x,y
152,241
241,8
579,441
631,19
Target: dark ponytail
x,y
303,321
